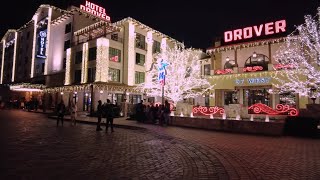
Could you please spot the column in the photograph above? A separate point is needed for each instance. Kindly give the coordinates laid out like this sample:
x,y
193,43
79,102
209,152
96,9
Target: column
x,y
67,80
14,56
102,62
85,58
35,20
163,44
48,41
149,59
129,53
2,61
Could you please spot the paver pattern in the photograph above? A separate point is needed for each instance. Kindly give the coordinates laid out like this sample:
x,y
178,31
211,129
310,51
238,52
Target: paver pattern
x,y
32,147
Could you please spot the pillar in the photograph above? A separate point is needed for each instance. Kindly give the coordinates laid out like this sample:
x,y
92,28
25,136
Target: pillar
x,y
129,53
102,62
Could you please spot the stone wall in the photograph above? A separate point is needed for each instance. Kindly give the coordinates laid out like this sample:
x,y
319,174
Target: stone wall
x,y
238,126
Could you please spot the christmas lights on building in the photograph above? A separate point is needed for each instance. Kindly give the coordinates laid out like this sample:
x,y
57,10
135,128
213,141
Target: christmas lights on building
x,y
302,52
183,78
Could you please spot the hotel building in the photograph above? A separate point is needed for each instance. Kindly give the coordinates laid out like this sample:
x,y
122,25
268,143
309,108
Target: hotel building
x,y
78,55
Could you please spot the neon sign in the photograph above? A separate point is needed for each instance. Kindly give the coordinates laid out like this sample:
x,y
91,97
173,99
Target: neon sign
x,y
281,109
42,37
207,110
262,80
255,31
95,10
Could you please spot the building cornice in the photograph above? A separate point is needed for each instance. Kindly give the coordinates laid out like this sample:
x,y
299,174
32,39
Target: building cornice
x,y
245,45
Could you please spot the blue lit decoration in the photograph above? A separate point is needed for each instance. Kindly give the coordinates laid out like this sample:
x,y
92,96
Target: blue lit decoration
x,y
262,80
42,38
162,71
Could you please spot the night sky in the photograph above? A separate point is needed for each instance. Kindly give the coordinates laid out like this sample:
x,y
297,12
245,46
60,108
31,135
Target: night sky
x,y
196,23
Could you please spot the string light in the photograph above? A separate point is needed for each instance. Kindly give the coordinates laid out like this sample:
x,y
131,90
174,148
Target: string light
x,y
68,68
2,55
301,52
183,77
102,60
85,58
35,19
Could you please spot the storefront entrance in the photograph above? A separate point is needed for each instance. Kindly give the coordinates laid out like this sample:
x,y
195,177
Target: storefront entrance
x,y
256,95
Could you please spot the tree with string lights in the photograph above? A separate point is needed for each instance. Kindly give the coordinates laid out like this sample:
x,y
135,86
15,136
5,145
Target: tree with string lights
x,y
182,70
300,59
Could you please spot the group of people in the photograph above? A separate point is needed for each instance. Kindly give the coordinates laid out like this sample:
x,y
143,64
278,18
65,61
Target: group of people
x,y
103,110
153,113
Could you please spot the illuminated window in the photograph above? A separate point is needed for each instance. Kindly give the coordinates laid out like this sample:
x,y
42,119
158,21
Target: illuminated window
x,y
140,41
114,55
207,69
257,60
253,96
139,77
156,47
140,59
114,75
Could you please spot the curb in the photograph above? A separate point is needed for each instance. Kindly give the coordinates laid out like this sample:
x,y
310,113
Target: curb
x,y
103,124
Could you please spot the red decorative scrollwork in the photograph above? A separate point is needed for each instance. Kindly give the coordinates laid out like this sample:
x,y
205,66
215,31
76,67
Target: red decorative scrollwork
x,y
224,71
283,66
207,110
252,69
281,109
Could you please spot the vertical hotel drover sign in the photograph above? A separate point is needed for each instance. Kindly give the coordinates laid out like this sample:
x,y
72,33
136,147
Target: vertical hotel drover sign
x,y
95,10
42,38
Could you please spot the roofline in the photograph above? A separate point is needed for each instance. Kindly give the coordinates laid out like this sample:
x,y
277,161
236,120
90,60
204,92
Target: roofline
x,y
120,22
8,31
244,44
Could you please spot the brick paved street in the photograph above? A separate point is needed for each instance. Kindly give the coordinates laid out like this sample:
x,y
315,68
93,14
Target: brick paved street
x,y
32,147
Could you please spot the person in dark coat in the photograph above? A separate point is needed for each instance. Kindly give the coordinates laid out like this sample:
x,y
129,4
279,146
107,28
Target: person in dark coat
x,y
61,111
99,114
109,115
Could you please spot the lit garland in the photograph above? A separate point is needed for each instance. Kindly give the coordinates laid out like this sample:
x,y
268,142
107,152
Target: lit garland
x,y
302,52
149,57
84,72
102,60
183,79
14,56
68,68
131,54
35,19
2,55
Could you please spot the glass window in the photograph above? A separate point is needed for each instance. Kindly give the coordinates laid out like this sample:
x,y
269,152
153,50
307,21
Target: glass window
x,y
64,63
139,77
134,99
67,44
114,37
92,53
68,28
114,75
77,76
114,54
156,47
207,69
140,59
91,74
140,41
78,57
253,96
207,100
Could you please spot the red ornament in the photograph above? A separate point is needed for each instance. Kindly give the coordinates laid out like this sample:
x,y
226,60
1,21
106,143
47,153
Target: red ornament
x,y
281,109
252,69
207,110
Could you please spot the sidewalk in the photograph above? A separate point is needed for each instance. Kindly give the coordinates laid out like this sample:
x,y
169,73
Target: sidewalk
x,y
121,122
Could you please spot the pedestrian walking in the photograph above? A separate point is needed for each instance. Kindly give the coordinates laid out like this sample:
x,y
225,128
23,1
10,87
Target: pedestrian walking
x,y
73,110
109,111
166,112
61,111
99,114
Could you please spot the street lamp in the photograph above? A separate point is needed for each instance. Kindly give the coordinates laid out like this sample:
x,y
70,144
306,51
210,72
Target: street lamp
x,y
254,54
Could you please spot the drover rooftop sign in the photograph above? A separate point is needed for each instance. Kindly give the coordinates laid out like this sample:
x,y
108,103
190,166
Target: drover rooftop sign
x,y
255,31
95,10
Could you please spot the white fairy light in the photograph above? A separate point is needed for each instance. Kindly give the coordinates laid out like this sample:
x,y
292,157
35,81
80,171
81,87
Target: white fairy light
x,y
2,63
183,75
14,56
85,59
301,51
102,60
68,68
35,19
